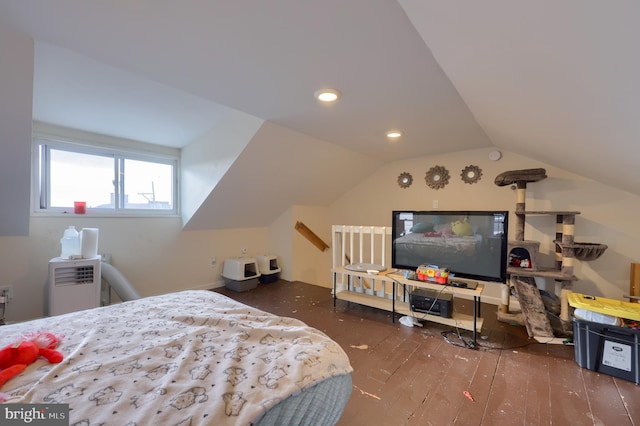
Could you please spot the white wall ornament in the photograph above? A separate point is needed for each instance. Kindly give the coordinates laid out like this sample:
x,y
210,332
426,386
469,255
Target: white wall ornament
x,y
437,177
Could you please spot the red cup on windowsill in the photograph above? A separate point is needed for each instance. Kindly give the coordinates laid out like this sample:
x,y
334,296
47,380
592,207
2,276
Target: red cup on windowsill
x,y
79,207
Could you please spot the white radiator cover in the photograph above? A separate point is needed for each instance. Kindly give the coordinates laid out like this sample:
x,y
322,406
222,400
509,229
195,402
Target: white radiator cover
x,y
74,285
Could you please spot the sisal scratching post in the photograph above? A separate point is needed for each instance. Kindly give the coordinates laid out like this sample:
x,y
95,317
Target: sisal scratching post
x,y
504,299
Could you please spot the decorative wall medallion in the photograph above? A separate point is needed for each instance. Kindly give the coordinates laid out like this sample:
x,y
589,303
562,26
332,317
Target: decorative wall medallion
x,y
437,177
405,180
471,174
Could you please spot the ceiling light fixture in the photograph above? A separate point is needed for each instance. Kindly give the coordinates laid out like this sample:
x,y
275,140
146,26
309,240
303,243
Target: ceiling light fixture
x,y
327,95
394,134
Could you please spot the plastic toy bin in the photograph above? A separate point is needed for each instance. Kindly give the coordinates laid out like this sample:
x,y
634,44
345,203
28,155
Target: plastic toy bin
x,y
607,349
241,273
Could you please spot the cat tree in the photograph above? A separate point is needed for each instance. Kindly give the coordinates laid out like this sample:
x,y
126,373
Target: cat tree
x,y
522,277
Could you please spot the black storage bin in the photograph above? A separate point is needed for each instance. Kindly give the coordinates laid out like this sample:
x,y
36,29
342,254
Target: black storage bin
x,y
607,349
269,278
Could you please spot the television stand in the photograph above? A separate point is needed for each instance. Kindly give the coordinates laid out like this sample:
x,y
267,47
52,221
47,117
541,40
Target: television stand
x,y
457,282
376,295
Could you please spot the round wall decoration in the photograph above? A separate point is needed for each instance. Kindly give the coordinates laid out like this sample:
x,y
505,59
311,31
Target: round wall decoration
x,y
405,180
471,174
437,177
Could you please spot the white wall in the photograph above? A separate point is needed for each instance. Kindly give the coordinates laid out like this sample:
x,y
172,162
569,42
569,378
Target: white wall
x,y
300,260
154,254
206,160
607,215
16,95
310,264
280,236
157,256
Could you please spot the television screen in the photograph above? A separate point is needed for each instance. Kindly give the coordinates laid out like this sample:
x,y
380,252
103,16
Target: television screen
x,y
471,244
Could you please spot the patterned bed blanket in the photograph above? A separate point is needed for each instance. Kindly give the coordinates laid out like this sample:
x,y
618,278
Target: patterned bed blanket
x,y
191,357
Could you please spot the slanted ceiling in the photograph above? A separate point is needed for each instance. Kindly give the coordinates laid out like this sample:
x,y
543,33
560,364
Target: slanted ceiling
x,y
555,81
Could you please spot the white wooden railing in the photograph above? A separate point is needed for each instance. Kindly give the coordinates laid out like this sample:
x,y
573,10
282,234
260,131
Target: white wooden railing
x,y
362,244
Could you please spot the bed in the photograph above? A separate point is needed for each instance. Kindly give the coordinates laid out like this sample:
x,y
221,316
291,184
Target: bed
x,y
186,358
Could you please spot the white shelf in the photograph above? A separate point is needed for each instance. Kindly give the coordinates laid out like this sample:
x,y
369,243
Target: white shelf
x,y
460,320
374,287
386,276
458,291
366,299
463,321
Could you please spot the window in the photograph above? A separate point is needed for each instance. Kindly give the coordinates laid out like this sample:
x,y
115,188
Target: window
x,y
110,181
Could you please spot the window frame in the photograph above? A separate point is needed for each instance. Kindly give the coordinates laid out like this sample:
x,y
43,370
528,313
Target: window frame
x,y
41,188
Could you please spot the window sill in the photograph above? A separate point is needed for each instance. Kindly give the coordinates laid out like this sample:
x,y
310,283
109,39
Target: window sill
x,y
104,215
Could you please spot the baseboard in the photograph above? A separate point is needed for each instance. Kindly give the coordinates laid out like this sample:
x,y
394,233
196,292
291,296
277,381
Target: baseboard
x,y
210,286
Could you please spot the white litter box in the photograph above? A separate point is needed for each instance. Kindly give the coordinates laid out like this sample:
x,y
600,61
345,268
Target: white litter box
x,y
240,273
268,267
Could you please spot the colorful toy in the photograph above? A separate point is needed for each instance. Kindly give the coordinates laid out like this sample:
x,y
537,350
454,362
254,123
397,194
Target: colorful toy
x,y
517,261
14,358
426,272
442,276
432,273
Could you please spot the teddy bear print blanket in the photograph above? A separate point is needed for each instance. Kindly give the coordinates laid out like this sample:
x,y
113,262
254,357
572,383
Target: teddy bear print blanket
x,y
188,358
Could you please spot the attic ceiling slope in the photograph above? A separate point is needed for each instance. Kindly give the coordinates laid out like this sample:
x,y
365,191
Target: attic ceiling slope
x,y
555,81
267,59
280,168
75,91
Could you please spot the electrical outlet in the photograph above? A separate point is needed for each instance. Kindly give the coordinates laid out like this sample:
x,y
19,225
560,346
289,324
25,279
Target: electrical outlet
x,y
105,257
7,292
212,261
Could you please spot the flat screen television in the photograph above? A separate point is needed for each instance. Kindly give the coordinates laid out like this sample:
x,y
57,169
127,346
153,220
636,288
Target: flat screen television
x,y
471,244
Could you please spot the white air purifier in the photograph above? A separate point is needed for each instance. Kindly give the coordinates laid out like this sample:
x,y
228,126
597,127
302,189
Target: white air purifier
x,y
74,285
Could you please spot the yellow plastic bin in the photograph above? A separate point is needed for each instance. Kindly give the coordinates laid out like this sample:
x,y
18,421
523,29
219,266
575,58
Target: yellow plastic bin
x,y
606,348
612,307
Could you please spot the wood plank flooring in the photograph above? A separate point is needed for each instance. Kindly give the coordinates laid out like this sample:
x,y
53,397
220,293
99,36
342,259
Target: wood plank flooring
x,y
413,376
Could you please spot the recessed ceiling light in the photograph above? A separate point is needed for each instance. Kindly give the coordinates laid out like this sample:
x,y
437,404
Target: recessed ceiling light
x,y
327,95
394,134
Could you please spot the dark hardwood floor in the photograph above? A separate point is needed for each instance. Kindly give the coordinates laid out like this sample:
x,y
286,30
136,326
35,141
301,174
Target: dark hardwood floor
x,y
414,376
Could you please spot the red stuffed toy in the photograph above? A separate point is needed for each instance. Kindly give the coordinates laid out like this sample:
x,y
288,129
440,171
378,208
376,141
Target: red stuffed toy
x,y
14,358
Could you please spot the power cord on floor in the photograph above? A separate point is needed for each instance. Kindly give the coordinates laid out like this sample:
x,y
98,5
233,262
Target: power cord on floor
x,y
462,342
468,343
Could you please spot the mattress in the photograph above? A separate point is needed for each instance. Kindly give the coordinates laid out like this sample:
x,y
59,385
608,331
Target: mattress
x,y
188,358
